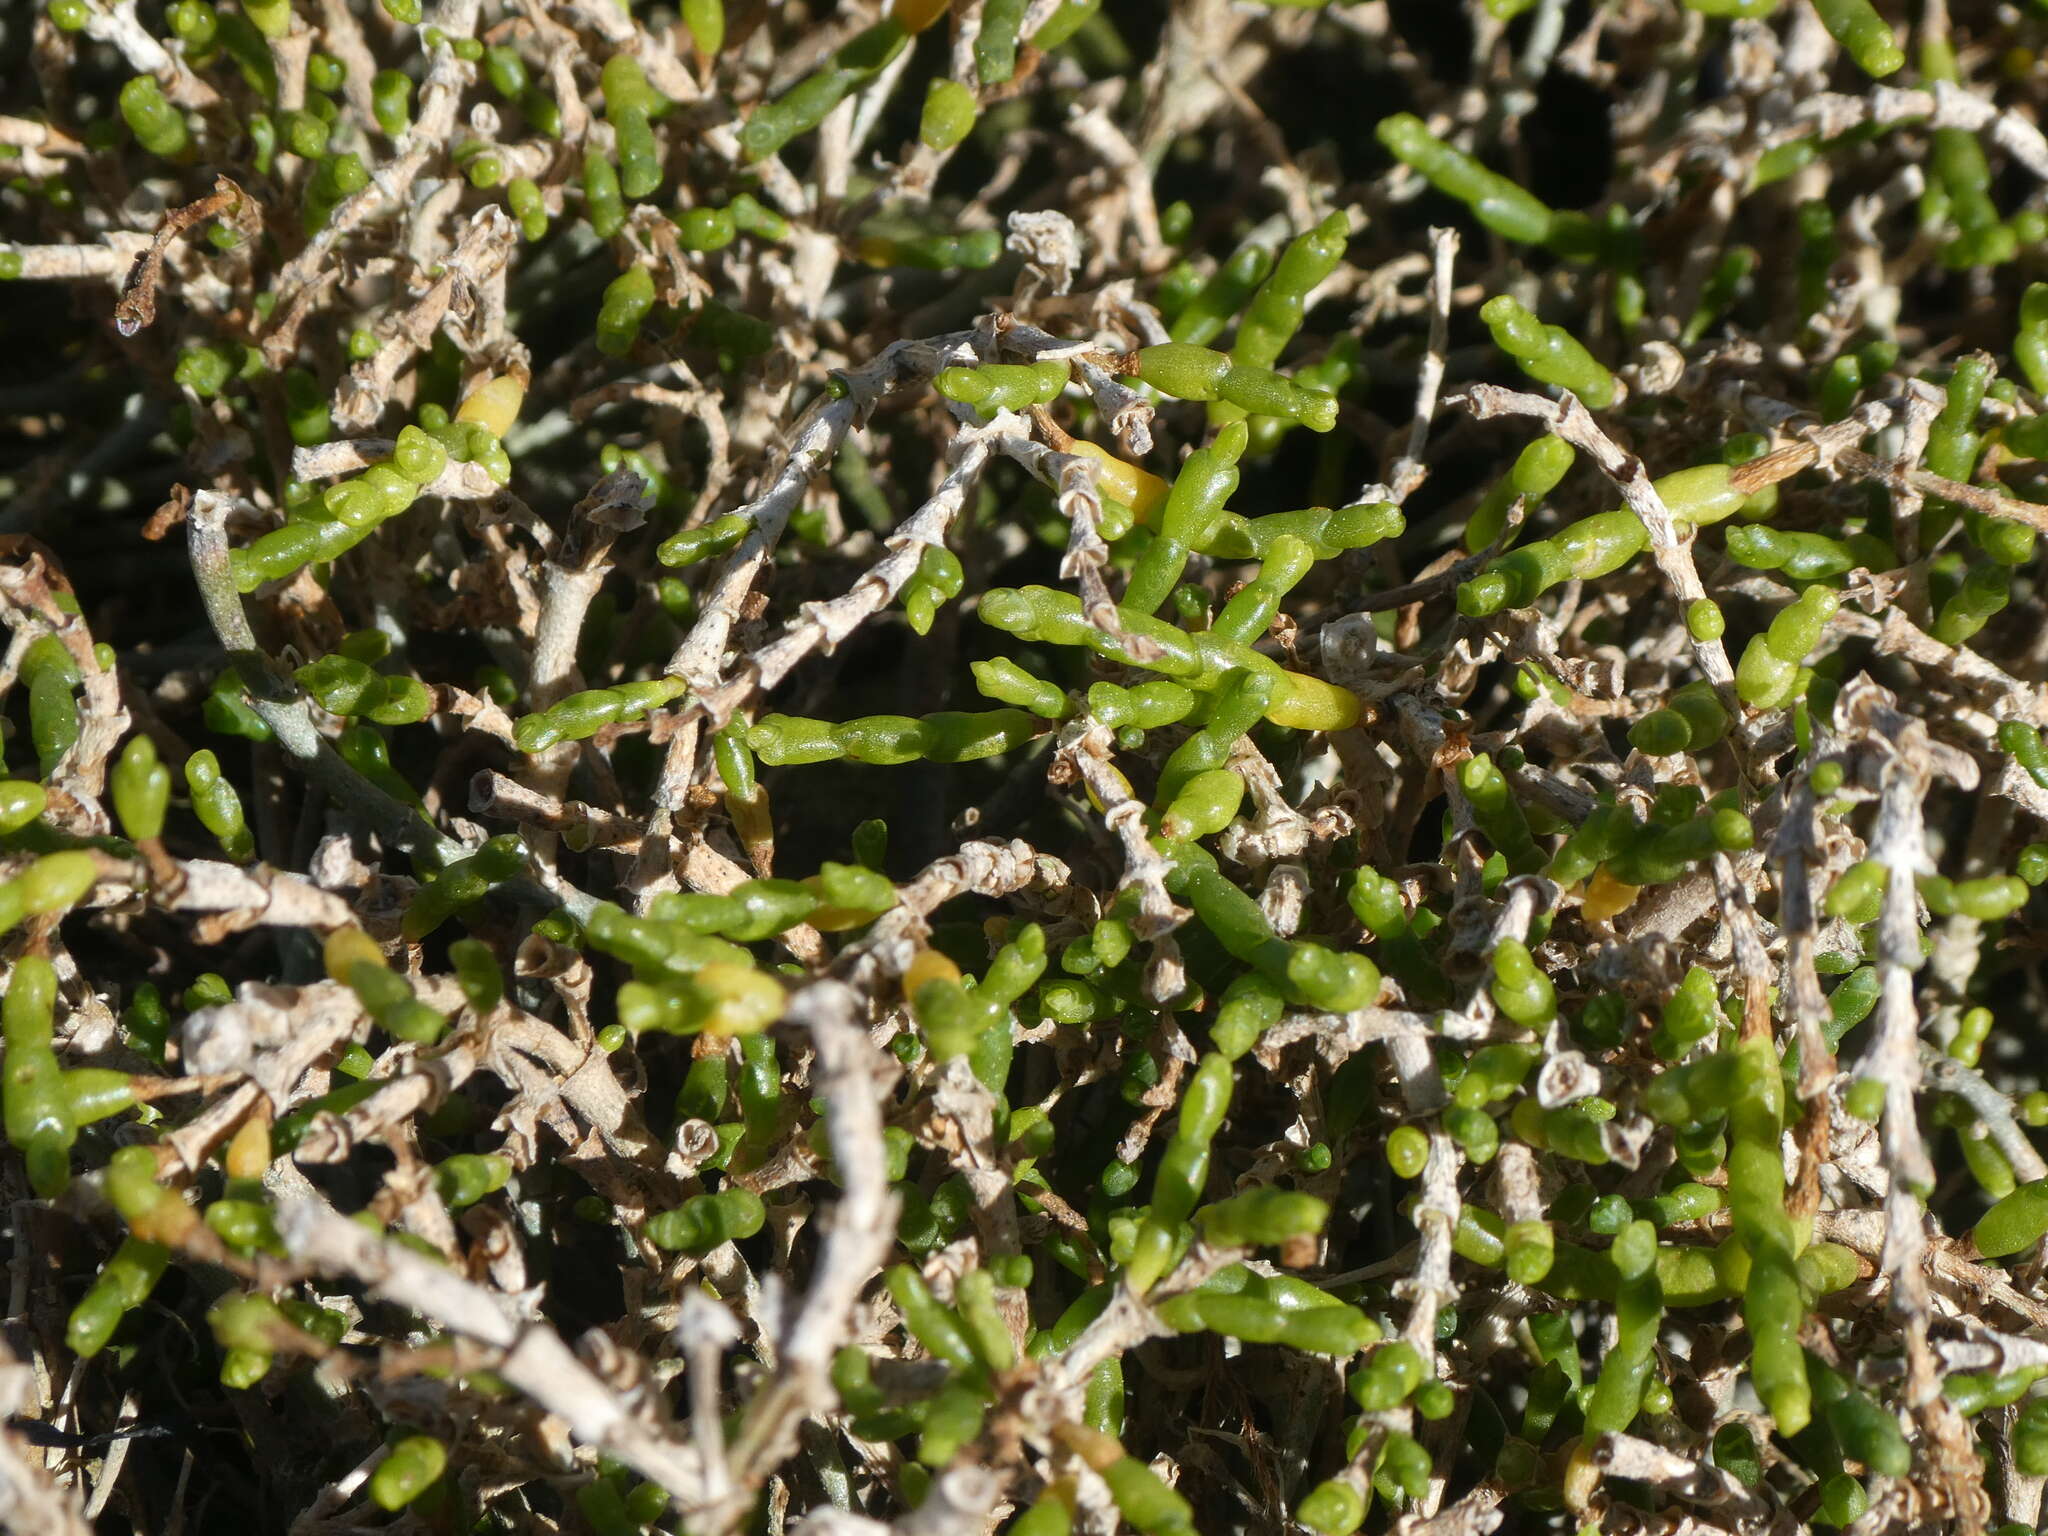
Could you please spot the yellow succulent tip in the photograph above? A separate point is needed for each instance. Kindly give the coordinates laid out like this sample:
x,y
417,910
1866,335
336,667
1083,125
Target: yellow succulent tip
x,y
494,404
1140,490
1305,703
926,966
346,948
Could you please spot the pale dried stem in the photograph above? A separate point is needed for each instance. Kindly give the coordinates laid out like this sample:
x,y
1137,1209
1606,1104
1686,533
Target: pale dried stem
x,y
290,717
1410,470
76,263
825,626
1697,1482
31,1500
1947,105
1086,745
532,1359
700,659
858,1239
978,868
480,254
440,97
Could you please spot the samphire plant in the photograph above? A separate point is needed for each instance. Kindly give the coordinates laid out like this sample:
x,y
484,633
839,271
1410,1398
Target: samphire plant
x,y
1023,766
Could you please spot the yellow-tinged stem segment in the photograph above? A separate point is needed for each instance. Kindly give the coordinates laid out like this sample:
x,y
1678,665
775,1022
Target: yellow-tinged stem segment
x,y
1305,703
916,15
1606,897
494,404
928,965
1140,490
248,1153
347,947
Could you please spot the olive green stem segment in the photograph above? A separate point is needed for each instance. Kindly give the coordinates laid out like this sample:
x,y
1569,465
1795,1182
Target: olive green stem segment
x,y
1218,301
1734,9
53,725
142,790
1264,1217
691,546
1774,1307
2030,1439
948,117
629,103
1986,899
1866,1432
1390,1376
801,108
1960,174
1639,1311
1141,1497
1497,201
1193,507
718,997
37,1111
1863,34
1327,532
628,300
1497,813
1251,1005
353,958
1251,610
1598,545
1547,353
1691,1015
1270,1309
938,579
352,510
948,736
1536,472
391,101
1183,1171
604,204
2024,743
706,21
2030,341
884,245
1767,677
1239,703
993,387
995,45
1692,721
1657,853
1317,976
1332,1508
123,1285
1004,681
702,1222
21,802
582,715
1983,594
1953,443
934,1325
1189,372
1801,555
1277,308
158,126
464,883
1200,661
1204,805
346,686
411,1467
1519,988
